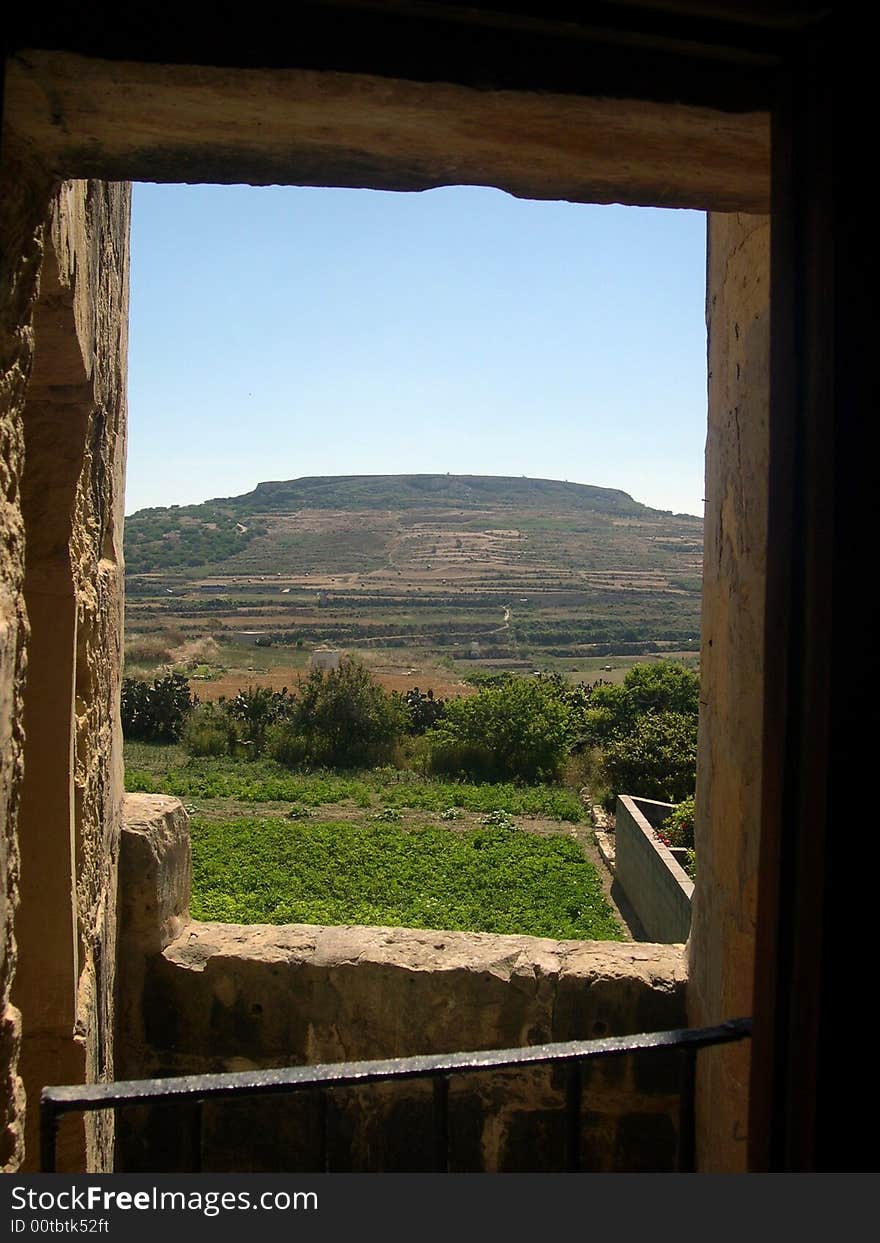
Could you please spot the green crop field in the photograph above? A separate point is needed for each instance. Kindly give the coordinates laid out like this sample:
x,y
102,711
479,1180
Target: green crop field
x,y
156,769
380,847
489,879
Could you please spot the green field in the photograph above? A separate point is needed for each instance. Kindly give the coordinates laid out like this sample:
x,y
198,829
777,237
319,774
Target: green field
x,y
156,769
489,879
380,847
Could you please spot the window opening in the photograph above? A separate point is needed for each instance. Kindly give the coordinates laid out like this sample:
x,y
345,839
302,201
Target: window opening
x,y
425,443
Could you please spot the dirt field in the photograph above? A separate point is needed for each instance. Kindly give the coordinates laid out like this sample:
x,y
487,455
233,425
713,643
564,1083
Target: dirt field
x,y
444,685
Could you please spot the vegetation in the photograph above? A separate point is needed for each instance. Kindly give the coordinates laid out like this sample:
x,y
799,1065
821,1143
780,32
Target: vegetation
x,y
168,770
639,736
515,730
184,536
156,712
613,712
374,859
385,492
678,830
492,879
342,718
424,710
642,733
209,730
258,708
465,573
656,759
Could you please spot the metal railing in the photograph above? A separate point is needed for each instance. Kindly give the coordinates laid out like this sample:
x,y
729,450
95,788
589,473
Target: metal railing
x,y
196,1089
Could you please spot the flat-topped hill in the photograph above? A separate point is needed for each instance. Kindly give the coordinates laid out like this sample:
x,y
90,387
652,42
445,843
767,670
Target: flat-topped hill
x,y
454,491
515,567
287,525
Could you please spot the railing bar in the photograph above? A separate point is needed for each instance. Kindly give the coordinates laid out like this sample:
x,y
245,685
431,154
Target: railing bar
x,y
323,1123
48,1134
441,1124
87,1097
687,1137
197,1130
573,1084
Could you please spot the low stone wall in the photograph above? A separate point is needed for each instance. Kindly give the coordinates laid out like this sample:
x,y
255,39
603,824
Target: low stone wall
x,y
201,997
656,886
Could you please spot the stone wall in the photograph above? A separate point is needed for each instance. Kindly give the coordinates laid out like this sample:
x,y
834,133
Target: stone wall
x,y
205,997
64,408
24,195
656,886
722,943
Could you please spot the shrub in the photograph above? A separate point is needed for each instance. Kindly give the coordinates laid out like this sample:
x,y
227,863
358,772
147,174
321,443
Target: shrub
x,y
514,729
614,711
347,719
608,716
678,827
472,761
156,712
256,709
211,731
663,687
285,744
424,710
657,759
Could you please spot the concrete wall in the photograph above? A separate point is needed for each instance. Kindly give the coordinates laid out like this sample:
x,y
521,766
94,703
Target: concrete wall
x,y
66,445
722,944
656,886
199,997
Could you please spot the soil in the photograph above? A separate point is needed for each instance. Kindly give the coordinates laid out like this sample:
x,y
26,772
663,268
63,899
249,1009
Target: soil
x,y
444,686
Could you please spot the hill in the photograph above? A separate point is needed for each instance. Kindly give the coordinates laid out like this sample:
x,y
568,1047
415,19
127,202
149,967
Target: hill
x,y
521,567
437,491
210,533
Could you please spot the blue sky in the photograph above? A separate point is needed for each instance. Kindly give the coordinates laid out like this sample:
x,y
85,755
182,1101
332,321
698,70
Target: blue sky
x,y
279,332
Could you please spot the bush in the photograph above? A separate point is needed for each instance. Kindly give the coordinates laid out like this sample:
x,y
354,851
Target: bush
x,y
424,710
678,827
613,712
516,729
211,731
256,709
156,712
663,687
347,719
285,744
657,759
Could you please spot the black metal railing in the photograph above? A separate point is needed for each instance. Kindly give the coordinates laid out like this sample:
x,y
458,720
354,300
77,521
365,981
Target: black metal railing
x,y
196,1089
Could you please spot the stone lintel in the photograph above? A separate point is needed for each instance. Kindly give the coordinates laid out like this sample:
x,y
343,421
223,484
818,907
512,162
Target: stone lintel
x,y
118,120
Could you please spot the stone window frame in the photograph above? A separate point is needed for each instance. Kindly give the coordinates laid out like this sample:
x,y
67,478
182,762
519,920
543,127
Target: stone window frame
x,y
109,141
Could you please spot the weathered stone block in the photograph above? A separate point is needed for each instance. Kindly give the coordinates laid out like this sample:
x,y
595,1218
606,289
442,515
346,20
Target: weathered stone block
x,y
229,997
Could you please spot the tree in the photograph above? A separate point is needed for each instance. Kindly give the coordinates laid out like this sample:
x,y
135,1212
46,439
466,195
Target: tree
x,y
516,729
346,718
656,759
614,711
663,687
